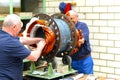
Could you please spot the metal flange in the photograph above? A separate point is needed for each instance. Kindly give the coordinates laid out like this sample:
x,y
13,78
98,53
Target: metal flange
x,y
73,32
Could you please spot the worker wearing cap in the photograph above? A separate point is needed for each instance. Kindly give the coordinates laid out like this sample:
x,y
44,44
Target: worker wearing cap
x,y
82,60
13,51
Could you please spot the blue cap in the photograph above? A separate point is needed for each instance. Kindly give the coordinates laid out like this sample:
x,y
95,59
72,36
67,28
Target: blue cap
x,y
62,6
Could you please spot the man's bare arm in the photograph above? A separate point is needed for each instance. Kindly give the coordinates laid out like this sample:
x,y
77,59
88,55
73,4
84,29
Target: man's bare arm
x,y
34,55
29,40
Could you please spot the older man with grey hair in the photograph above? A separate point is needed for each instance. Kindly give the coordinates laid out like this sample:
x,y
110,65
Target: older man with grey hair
x,y
81,60
12,49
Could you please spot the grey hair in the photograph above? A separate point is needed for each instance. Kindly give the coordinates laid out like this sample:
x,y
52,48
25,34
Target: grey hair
x,y
72,12
11,20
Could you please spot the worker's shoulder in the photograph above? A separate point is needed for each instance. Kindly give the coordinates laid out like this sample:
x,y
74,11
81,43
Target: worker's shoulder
x,y
82,23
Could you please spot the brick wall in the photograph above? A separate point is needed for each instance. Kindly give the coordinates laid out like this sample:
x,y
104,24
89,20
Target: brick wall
x,y
103,19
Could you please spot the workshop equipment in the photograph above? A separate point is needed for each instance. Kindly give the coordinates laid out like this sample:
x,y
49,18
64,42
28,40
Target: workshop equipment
x,y
60,33
62,39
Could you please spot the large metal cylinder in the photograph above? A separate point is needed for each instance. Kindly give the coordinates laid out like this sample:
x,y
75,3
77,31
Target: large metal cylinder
x,y
68,34
60,34
65,35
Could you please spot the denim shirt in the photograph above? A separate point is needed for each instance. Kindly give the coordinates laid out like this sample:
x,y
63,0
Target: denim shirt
x,y
85,48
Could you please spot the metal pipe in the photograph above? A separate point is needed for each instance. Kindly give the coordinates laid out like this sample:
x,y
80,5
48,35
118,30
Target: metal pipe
x,y
11,6
44,6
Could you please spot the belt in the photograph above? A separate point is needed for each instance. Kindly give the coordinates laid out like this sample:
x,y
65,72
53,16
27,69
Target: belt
x,y
82,57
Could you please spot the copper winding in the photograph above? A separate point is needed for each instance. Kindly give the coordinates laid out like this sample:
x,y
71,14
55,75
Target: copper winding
x,y
50,40
78,44
49,36
32,25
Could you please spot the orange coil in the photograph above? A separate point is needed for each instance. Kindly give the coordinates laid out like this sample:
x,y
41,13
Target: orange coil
x,y
49,34
78,44
50,40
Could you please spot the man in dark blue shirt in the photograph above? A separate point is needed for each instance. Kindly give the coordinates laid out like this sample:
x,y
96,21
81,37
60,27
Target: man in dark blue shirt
x,y
82,60
12,50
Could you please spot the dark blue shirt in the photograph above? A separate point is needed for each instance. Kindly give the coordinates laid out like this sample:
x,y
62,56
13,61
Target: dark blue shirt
x,y
85,48
12,53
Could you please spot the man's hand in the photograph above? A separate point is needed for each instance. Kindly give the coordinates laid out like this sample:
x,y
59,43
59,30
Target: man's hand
x,y
38,45
41,44
81,41
35,54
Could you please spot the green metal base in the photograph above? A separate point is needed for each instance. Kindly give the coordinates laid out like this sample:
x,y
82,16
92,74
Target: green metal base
x,y
50,74
45,75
